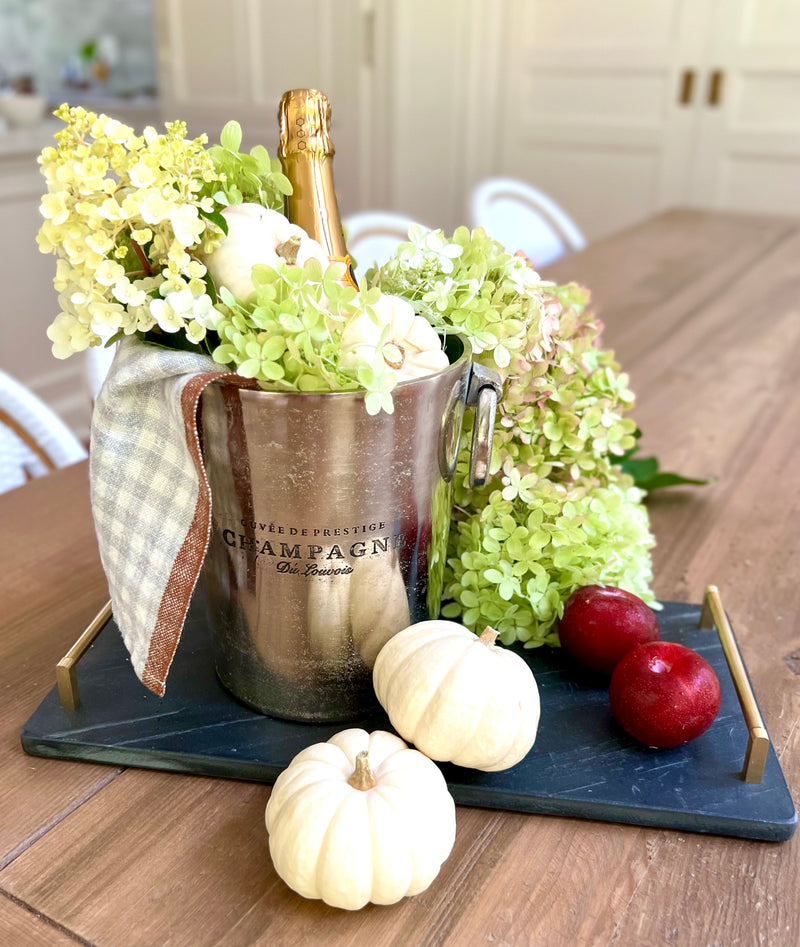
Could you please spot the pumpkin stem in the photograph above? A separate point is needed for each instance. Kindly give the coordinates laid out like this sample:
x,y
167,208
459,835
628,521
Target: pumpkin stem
x,y
363,778
288,249
488,636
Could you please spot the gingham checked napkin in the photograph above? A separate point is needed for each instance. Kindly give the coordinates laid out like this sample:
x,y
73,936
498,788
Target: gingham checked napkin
x,y
150,497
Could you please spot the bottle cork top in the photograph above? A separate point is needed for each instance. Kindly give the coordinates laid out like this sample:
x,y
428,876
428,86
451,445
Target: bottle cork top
x,y
304,116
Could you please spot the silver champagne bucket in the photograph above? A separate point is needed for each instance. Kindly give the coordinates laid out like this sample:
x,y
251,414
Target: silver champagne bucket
x,y
329,530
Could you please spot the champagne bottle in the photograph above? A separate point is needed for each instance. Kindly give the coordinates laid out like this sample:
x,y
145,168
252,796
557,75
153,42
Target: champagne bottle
x,y
306,154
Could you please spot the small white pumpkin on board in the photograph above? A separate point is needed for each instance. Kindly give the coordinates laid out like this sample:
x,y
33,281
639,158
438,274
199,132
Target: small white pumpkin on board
x,y
409,344
458,697
257,234
362,818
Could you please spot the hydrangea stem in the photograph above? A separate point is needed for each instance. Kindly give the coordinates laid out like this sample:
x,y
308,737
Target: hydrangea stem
x,y
143,259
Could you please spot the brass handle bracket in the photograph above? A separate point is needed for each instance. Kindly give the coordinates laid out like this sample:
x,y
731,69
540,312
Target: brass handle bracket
x,y
69,695
687,87
712,615
715,87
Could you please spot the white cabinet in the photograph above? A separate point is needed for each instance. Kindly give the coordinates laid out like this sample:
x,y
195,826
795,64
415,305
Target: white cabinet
x,y
395,74
623,108
747,145
608,106
216,65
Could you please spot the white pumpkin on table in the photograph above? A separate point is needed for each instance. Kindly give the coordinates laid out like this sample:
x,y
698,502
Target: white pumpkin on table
x,y
362,818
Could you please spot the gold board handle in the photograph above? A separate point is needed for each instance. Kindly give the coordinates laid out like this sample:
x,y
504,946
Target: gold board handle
x,y
713,614
69,695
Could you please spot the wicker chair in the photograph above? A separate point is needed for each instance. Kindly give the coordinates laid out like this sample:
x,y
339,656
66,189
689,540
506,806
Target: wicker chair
x,y
33,439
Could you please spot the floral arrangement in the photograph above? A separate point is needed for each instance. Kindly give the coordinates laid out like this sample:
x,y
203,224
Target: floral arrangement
x,y
135,221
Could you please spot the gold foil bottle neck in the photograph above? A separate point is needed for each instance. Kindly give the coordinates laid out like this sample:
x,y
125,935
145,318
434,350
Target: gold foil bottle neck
x,y
304,117
306,156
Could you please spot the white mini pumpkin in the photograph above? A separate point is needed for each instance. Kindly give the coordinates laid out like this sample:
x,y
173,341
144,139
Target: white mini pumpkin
x,y
257,235
360,818
413,347
458,697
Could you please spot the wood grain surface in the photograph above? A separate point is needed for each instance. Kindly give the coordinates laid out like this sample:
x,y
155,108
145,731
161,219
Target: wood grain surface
x,y
703,311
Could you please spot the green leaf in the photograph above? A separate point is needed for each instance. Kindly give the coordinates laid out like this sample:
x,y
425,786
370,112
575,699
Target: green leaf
x,y
281,183
175,340
660,480
216,218
231,136
640,469
261,156
114,339
647,474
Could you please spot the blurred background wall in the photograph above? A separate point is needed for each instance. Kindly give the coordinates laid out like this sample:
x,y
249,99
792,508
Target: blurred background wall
x,y
617,109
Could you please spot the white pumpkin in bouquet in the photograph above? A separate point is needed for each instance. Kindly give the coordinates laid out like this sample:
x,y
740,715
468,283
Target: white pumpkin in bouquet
x,y
257,235
409,344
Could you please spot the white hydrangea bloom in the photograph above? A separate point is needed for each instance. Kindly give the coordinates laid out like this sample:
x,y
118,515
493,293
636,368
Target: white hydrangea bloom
x,y
122,214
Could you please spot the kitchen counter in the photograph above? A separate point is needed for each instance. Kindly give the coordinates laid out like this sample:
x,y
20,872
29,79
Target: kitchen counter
x,y
24,140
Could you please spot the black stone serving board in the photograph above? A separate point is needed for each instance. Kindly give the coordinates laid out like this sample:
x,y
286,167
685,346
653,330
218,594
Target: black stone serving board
x,y
582,765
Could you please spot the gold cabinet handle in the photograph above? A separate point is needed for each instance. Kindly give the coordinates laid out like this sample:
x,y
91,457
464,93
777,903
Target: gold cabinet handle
x,y
715,87
687,87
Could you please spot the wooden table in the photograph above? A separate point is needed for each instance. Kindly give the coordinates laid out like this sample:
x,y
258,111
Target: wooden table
x,y
703,310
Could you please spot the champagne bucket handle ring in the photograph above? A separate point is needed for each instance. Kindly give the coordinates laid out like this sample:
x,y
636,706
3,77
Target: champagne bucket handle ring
x,y
484,389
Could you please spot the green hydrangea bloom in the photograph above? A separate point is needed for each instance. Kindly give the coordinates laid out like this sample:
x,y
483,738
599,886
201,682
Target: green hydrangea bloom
x,y
556,512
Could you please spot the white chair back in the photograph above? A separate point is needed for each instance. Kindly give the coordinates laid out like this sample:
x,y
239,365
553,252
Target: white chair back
x,y
373,237
523,218
33,439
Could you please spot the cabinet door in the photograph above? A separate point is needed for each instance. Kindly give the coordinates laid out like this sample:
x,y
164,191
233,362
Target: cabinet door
x,y
747,154
420,72
592,109
235,60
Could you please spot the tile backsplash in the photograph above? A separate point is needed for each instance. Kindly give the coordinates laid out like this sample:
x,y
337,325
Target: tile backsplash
x,y
105,47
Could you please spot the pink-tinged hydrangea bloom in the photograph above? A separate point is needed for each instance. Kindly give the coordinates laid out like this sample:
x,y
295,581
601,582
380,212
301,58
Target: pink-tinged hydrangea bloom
x,y
557,513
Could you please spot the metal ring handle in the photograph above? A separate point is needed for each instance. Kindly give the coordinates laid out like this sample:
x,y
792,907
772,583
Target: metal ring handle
x,y
482,436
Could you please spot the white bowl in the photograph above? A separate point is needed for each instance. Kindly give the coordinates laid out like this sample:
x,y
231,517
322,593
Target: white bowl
x,y
19,108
